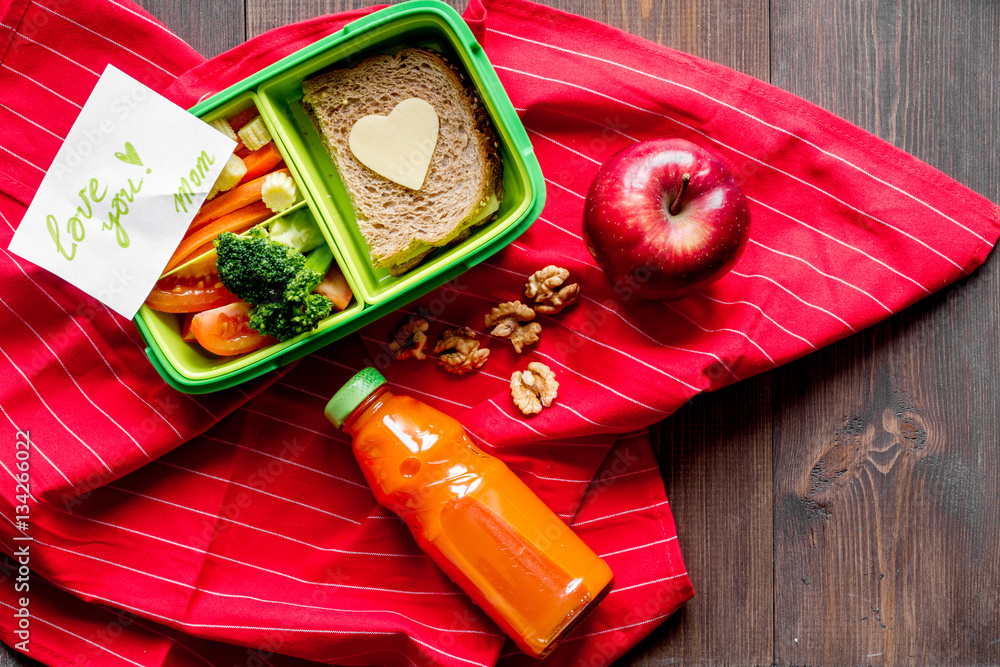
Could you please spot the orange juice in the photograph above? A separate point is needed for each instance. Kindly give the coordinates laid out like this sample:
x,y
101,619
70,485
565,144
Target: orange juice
x,y
488,531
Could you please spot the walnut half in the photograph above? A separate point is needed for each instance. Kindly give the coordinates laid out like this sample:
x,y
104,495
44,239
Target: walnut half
x,y
547,289
410,339
459,351
534,388
506,320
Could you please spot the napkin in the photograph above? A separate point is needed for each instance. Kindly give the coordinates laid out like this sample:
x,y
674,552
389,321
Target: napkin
x,y
247,534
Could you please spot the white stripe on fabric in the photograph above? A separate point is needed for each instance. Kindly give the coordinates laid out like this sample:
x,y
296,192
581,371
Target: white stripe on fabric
x,y
752,341
53,413
748,115
51,463
293,425
521,422
337,658
283,460
794,295
63,56
39,84
108,39
38,618
249,526
822,273
761,311
817,188
146,19
635,548
26,119
563,230
747,303
239,596
623,319
560,144
187,624
557,362
843,243
114,318
562,404
226,558
73,379
596,342
563,187
655,581
173,640
261,491
91,341
22,159
394,384
610,516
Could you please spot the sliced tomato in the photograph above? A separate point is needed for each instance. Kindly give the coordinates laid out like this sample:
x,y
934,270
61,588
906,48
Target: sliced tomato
x,y
186,334
194,288
335,288
226,330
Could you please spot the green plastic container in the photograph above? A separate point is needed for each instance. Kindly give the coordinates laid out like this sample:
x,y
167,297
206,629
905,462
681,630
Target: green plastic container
x,y
276,91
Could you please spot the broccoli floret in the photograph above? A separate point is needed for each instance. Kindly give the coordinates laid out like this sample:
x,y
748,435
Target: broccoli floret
x,y
288,319
277,280
255,268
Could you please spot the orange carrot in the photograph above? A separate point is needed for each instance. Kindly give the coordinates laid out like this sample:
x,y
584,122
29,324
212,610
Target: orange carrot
x,y
236,222
261,161
242,118
227,202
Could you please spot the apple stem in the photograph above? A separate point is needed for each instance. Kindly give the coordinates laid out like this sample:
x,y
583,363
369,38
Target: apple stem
x,y
675,207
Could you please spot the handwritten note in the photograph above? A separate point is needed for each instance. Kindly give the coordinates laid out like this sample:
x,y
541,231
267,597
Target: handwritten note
x,y
121,192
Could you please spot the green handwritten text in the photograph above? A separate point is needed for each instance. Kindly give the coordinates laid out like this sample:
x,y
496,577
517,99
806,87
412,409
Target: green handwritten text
x,y
74,226
185,192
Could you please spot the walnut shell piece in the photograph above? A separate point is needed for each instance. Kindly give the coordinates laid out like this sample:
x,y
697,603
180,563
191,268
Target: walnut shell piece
x,y
508,320
459,352
547,288
410,339
533,388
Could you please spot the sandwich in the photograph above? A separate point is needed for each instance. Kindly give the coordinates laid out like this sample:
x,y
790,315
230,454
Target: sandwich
x,y
463,186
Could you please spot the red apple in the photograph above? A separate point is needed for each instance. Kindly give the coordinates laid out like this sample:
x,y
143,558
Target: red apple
x,y
664,219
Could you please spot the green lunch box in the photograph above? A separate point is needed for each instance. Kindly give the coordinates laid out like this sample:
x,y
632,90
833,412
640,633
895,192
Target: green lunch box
x,y
276,92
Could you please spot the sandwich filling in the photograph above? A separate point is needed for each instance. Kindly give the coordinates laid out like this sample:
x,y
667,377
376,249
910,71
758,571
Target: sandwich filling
x,y
463,185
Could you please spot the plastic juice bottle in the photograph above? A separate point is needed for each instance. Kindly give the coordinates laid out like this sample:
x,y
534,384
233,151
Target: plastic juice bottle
x,y
488,531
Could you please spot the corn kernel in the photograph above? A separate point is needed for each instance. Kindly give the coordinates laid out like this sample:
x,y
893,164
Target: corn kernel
x,y
254,134
278,191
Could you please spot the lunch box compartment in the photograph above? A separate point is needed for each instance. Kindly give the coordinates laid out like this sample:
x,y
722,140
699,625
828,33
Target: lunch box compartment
x,y
282,97
276,92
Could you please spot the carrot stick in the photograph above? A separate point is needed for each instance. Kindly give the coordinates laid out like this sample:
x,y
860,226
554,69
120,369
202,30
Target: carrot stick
x,y
237,221
242,118
261,161
227,202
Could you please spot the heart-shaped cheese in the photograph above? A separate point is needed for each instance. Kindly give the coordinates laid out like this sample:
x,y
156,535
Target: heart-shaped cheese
x,y
398,146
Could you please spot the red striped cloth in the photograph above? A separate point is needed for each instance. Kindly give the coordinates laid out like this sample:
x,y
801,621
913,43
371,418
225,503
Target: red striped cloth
x,y
260,531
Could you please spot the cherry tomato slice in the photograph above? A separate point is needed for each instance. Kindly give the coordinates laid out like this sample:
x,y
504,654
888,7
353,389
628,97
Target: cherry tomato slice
x,y
186,335
193,288
226,330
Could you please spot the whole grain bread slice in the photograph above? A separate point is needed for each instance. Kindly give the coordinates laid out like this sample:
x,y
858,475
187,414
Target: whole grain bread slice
x,y
465,170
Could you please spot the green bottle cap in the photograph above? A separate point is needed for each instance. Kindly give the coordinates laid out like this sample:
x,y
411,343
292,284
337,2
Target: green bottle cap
x,y
352,394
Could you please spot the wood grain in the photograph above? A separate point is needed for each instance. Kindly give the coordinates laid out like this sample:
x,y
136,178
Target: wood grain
x,y
886,462
842,510
210,26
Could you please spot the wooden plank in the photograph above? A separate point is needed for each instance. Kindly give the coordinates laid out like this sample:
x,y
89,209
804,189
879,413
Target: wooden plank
x,y
210,26
715,452
886,462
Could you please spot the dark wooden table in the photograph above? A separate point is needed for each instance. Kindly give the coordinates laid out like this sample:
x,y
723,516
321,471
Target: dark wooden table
x,y
843,509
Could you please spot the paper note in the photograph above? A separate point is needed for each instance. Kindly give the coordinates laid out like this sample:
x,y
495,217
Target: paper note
x,y
122,190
